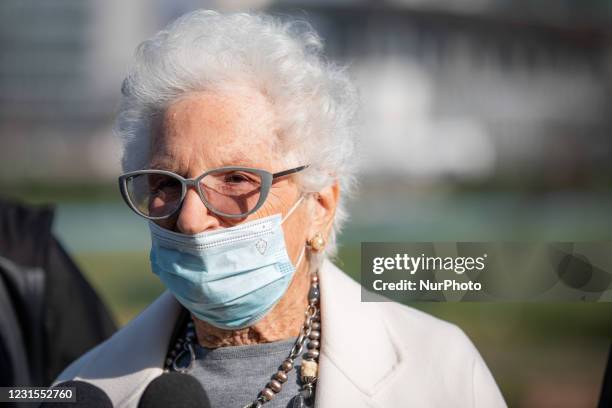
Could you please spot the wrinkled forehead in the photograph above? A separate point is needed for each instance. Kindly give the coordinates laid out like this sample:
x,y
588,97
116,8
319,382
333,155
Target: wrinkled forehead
x,y
205,130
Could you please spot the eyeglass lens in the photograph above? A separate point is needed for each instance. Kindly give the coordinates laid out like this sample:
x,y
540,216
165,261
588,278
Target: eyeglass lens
x,y
232,192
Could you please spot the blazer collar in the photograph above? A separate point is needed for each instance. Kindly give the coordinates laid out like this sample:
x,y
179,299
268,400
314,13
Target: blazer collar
x,y
354,335
127,362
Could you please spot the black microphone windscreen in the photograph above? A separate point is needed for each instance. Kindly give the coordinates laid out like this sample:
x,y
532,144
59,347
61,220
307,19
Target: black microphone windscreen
x,y
87,396
174,390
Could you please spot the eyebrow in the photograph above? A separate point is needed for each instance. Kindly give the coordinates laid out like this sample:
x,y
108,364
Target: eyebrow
x,y
234,162
239,159
163,166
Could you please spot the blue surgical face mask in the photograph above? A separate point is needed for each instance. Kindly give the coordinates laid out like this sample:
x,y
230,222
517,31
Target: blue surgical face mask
x,y
230,277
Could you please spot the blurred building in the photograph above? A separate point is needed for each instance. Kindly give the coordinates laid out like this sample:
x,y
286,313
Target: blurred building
x,y
61,64
487,89
472,90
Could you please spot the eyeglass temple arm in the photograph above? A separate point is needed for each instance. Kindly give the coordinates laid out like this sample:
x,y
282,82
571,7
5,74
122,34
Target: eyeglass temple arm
x,y
290,171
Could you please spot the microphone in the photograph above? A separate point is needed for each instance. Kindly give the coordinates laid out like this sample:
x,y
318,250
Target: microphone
x,y
87,396
174,390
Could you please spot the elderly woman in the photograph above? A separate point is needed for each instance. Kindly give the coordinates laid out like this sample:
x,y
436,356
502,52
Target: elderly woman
x,y
238,150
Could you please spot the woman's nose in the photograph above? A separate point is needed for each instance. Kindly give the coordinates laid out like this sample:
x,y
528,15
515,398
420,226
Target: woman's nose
x,y
194,217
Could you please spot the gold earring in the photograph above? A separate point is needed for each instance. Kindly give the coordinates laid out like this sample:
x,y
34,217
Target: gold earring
x,y
317,243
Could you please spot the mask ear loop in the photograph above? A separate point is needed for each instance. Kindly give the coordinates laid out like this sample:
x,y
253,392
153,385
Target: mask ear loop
x,y
295,206
300,258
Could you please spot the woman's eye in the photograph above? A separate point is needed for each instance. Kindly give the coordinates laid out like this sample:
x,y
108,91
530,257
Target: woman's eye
x,y
236,178
164,184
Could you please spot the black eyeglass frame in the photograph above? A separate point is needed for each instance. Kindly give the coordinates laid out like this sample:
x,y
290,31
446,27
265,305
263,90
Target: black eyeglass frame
x,y
266,177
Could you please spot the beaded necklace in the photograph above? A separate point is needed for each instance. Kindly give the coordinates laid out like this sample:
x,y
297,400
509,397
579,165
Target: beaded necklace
x,y
310,331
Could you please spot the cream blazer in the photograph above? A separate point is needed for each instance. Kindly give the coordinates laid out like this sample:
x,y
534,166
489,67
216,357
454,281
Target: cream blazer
x,y
372,355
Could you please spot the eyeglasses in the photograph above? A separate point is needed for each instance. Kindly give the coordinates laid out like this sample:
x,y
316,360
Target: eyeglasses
x,y
233,192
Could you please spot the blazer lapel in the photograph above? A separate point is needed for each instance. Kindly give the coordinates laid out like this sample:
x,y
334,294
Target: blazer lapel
x,y
134,356
358,352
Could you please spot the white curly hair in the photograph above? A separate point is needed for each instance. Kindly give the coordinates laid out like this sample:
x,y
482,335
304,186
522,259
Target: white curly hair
x,y
314,100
